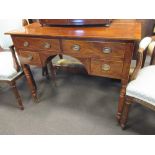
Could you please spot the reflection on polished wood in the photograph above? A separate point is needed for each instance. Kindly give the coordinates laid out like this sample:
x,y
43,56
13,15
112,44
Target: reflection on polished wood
x,y
104,51
119,29
58,22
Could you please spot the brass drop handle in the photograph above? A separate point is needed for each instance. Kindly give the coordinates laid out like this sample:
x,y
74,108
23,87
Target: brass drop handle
x,y
47,45
26,44
107,50
105,67
30,57
24,59
76,47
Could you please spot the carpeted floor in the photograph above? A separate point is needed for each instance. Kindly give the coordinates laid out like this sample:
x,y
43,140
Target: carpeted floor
x,y
79,104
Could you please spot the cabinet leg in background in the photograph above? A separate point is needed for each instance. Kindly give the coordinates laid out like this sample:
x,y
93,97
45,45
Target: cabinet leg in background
x,y
53,72
45,71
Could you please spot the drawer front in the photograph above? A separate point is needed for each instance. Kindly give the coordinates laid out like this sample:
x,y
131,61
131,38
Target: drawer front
x,y
107,68
27,57
28,43
92,48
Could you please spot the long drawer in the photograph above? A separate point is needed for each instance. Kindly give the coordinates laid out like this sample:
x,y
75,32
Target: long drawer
x,y
94,48
107,68
27,43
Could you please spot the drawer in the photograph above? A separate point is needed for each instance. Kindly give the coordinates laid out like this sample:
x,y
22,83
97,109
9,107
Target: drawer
x,y
31,58
107,68
93,48
28,43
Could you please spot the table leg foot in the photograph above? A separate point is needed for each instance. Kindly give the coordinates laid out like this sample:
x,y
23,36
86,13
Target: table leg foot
x,y
121,101
36,99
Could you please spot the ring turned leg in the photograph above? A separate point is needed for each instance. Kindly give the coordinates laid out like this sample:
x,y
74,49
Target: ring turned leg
x,y
121,101
15,91
31,82
125,113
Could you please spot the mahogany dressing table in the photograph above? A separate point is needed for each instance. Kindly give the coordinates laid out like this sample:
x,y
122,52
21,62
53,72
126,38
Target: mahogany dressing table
x,y
104,51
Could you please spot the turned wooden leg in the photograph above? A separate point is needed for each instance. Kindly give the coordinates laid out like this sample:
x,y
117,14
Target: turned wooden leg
x,y
121,100
53,72
60,56
45,71
31,82
125,113
15,91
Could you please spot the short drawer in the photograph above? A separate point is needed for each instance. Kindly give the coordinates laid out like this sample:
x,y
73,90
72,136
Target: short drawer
x,y
31,58
107,68
94,48
33,44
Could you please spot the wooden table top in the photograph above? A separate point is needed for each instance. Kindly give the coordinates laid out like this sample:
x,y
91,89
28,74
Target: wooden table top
x,y
119,29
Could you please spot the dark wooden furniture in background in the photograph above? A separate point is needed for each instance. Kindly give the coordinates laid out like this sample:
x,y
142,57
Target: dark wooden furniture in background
x,y
150,50
104,51
71,22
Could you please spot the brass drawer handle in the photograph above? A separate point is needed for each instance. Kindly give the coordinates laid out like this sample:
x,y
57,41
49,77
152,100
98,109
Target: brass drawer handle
x,y
107,50
76,47
105,67
26,44
47,45
30,57
24,59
